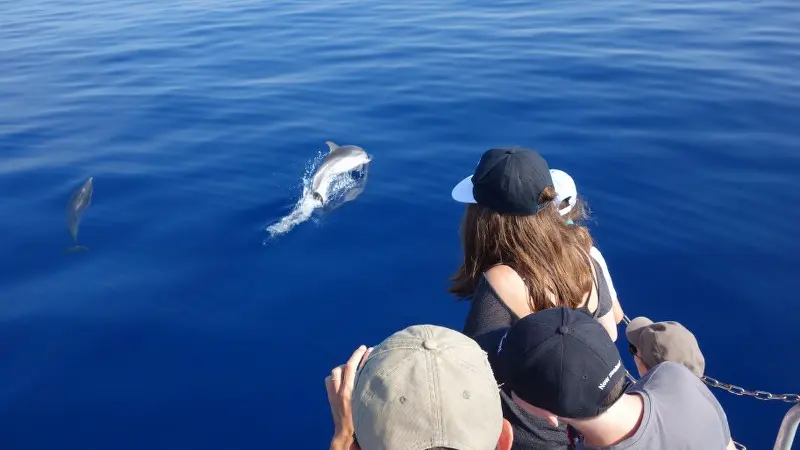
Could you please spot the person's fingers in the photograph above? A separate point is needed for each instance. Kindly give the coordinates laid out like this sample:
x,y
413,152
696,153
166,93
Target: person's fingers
x,y
336,378
331,391
332,383
329,385
349,374
364,358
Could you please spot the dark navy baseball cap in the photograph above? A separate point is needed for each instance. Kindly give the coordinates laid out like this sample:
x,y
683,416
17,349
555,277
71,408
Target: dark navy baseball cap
x,y
507,181
561,360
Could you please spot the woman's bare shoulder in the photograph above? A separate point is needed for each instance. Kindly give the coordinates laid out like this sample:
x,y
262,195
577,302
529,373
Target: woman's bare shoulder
x,y
510,287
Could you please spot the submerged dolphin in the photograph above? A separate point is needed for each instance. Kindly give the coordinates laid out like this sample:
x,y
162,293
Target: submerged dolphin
x,y
80,200
340,160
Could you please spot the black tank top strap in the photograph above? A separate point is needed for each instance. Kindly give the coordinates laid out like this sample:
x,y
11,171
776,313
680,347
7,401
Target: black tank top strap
x,y
487,311
604,301
595,286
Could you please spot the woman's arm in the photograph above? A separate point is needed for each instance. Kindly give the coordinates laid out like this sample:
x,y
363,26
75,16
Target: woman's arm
x,y
619,314
512,291
607,321
615,307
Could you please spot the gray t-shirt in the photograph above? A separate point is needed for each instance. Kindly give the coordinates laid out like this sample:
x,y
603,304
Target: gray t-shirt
x,y
679,412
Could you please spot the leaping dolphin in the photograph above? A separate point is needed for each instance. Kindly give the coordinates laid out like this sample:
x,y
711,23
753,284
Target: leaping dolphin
x,y
344,159
78,202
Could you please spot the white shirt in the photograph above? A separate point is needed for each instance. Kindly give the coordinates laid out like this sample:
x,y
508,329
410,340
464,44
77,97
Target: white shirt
x,y
595,253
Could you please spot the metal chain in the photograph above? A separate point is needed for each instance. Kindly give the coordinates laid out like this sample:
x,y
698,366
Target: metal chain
x,y
758,395
738,390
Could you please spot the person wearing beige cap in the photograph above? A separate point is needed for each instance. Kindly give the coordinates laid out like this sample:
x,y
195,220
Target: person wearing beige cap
x,y
653,343
423,388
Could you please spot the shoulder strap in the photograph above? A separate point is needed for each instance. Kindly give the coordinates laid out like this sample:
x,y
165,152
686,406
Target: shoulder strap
x,y
596,286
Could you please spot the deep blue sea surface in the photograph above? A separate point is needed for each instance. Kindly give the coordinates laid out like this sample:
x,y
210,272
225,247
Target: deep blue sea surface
x,y
180,328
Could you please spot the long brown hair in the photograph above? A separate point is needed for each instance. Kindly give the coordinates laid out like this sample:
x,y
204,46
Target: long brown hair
x,y
549,255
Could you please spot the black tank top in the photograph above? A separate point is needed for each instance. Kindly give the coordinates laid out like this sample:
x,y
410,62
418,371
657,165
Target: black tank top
x,y
488,312
486,322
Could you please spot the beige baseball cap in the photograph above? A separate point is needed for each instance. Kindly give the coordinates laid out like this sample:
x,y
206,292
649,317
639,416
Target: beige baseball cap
x,y
665,341
427,386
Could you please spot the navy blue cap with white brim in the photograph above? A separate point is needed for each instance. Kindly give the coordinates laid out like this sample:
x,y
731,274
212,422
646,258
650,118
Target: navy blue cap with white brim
x,y
506,181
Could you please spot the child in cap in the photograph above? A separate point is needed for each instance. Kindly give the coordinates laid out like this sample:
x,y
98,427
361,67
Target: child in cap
x,y
572,209
653,343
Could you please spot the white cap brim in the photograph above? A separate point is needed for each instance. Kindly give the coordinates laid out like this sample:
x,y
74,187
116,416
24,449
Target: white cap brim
x,y
462,193
565,188
564,211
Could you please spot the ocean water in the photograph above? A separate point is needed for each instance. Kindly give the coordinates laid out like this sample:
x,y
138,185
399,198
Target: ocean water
x,y
187,325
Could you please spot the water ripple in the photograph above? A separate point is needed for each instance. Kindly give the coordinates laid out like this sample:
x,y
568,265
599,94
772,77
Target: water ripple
x,y
677,119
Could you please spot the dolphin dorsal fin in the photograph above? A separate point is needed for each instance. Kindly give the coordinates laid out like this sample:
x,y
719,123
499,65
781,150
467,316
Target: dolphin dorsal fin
x,y
331,145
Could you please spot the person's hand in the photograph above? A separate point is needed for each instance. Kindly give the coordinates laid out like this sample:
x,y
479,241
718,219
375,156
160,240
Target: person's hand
x,y
340,384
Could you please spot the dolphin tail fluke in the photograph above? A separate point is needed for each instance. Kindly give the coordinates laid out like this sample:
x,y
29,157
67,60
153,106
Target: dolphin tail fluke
x,y
331,145
76,249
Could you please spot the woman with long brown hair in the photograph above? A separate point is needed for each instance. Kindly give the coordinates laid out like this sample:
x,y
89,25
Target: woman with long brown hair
x,y
520,256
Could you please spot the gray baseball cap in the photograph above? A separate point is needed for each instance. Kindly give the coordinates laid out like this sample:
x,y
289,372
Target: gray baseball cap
x,y
427,386
665,341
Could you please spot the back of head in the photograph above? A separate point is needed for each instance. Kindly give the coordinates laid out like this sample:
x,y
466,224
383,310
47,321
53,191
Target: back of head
x,y
665,341
562,361
427,387
512,219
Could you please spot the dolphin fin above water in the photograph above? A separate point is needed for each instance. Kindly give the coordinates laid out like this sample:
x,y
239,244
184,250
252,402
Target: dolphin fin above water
x,y
331,146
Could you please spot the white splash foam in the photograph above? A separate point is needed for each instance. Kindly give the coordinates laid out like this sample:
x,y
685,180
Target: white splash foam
x,y
302,211
342,189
